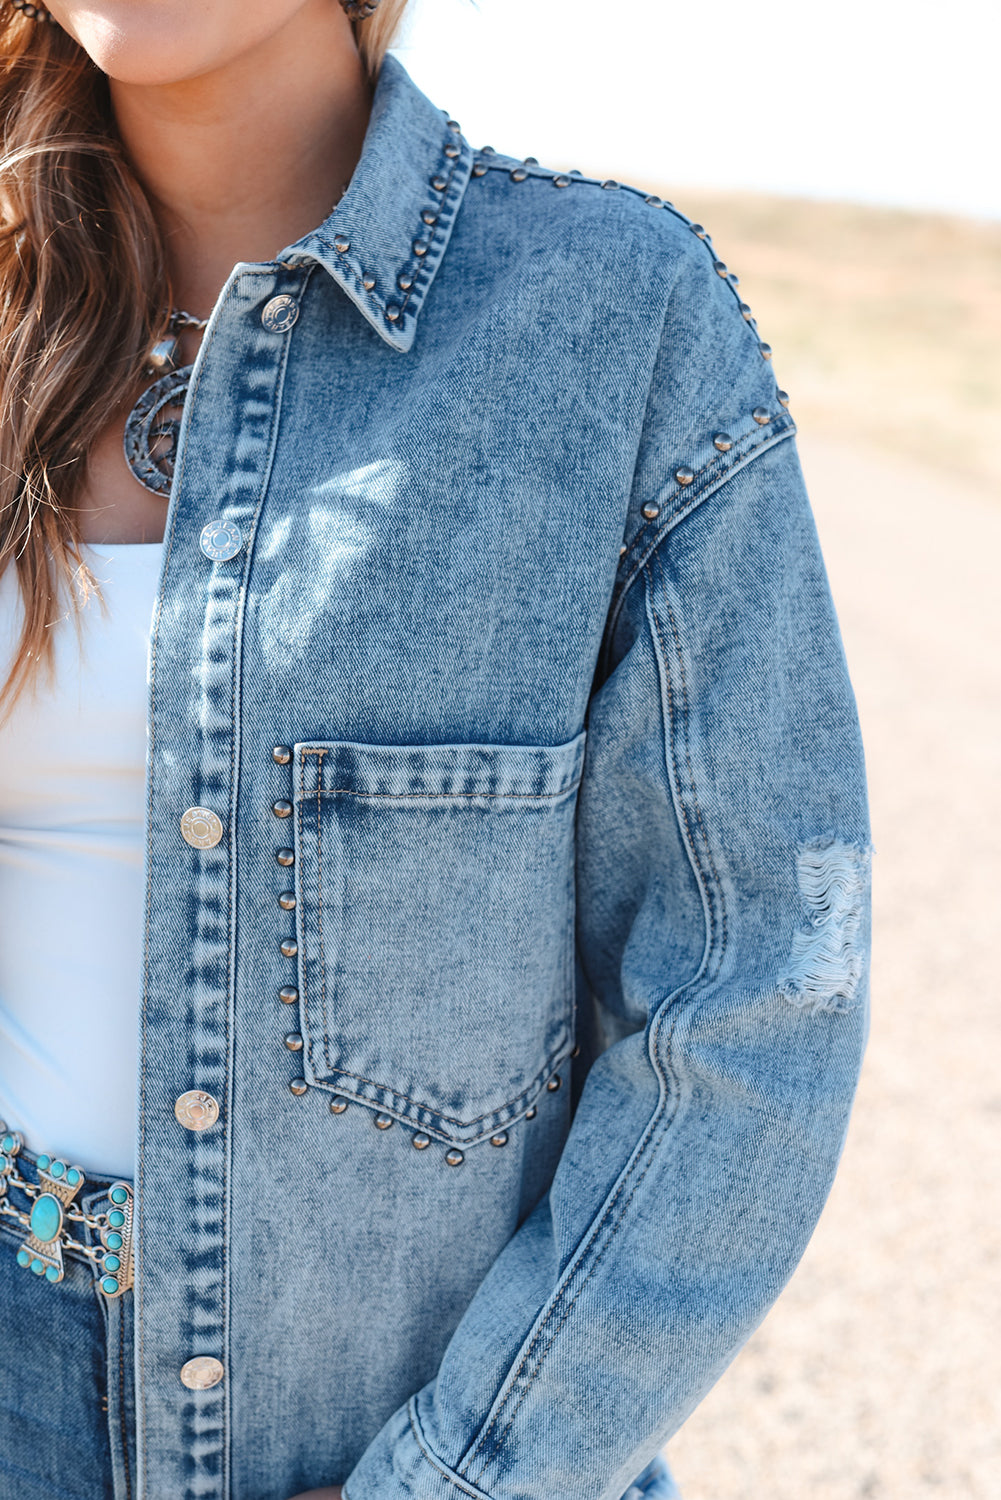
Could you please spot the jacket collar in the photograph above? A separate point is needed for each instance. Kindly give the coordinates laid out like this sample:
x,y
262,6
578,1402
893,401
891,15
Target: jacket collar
x,y
385,239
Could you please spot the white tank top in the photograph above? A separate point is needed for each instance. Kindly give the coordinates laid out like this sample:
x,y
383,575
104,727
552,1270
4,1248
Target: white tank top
x,y
72,835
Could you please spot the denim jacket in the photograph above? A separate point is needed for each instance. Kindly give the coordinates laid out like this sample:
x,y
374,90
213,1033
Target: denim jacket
x,y
526,964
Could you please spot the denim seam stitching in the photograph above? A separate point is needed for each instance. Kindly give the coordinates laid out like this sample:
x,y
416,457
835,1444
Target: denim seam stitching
x,y
673,735
652,535
424,1449
552,1062
687,746
319,904
346,791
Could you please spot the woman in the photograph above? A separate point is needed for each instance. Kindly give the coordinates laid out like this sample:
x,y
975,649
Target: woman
x,y
444,982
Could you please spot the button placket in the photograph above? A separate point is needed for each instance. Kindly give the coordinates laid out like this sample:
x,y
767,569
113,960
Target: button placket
x,y
223,472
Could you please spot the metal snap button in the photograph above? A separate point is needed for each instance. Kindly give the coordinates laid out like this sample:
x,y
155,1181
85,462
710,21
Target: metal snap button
x,y
196,1110
201,828
280,314
220,540
202,1373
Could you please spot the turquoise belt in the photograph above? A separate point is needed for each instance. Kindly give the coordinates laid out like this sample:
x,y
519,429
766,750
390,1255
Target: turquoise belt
x,y
53,1212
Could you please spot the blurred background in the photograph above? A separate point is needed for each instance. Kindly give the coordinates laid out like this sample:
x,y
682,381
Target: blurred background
x,y
844,159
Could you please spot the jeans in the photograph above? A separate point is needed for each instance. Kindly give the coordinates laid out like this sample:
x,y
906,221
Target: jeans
x,y
67,1409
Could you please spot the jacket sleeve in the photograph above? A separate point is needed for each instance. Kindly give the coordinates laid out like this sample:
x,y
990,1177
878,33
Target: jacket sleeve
x,y
723,948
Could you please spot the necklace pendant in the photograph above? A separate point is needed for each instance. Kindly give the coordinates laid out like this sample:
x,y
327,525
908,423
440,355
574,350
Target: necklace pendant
x,y
152,429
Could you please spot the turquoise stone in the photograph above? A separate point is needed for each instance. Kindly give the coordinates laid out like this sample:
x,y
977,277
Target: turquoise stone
x,y
43,1161
112,1263
116,1217
23,1258
38,1267
73,1176
46,1218
119,1195
58,1168
7,1144
114,1242
109,1285
52,1273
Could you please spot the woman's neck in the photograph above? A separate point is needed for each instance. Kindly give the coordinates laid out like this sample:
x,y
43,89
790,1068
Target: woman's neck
x,y
243,160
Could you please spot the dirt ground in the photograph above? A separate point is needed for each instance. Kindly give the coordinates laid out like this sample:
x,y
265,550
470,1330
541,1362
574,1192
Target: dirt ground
x,y
877,1376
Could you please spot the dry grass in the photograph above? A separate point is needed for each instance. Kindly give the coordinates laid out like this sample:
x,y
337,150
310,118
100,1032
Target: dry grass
x,y
886,325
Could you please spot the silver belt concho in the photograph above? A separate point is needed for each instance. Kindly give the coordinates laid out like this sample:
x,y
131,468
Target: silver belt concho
x,y
53,1210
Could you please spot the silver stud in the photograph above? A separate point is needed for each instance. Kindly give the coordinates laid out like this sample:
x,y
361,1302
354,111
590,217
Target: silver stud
x,y
575,1050
479,170
429,217
562,180
745,309
500,1139
554,1083
610,184
392,313
453,125
531,1113
684,475
404,282
285,857
518,174
452,151
651,511
342,244
338,1106
289,995
733,278
487,151
761,415
765,350
723,441
420,247
719,267
654,201
383,1122
531,161
281,755
623,550
783,397
289,947
282,809
439,184
368,282
287,900
294,1041
420,1141
454,1158
702,233
298,1086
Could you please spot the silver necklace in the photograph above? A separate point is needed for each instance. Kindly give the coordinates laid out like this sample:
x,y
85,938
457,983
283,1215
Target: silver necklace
x,y
153,424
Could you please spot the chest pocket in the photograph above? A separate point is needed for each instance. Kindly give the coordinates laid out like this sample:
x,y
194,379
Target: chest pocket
x,y
435,914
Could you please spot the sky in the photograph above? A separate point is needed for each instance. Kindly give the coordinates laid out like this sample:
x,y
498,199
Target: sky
x,y
879,101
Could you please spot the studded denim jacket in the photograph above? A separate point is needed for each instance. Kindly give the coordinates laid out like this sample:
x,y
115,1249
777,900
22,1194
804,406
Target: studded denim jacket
x,y
521,944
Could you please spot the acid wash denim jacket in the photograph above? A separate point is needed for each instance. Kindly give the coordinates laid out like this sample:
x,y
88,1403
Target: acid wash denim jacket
x,y
529,971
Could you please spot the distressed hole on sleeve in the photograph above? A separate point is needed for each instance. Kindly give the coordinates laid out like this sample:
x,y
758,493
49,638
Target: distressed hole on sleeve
x,y
825,964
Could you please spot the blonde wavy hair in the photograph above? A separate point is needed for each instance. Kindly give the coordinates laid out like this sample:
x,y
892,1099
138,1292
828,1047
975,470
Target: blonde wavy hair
x,y
83,283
